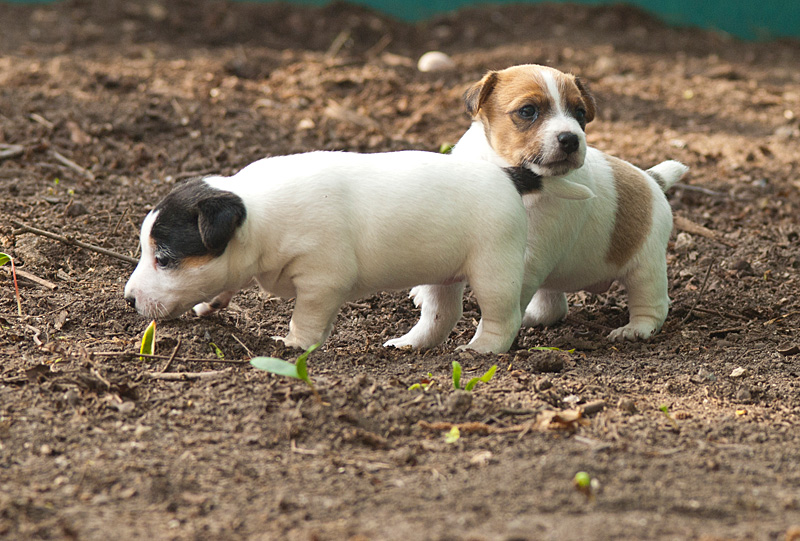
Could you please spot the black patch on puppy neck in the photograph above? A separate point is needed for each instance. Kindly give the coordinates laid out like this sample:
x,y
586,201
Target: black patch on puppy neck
x,y
525,180
196,220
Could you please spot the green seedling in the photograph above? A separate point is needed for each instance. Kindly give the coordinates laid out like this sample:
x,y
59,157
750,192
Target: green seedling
x,y
453,435
445,148
216,350
297,370
474,381
148,340
424,384
584,484
665,410
550,348
5,258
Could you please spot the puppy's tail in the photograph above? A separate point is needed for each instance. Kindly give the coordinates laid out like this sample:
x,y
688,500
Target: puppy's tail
x,y
667,173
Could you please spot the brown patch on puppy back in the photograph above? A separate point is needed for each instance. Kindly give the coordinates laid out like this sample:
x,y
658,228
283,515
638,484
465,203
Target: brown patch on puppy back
x,y
633,214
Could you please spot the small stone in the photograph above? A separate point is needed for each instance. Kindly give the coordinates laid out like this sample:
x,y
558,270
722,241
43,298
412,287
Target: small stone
x,y
481,458
683,242
739,372
459,402
306,124
743,394
435,61
626,405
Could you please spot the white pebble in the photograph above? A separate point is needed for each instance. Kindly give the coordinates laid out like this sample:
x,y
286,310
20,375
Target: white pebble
x,y
435,61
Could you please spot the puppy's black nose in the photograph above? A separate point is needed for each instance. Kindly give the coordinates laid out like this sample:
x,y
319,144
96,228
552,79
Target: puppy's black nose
x,y
569,142
131,300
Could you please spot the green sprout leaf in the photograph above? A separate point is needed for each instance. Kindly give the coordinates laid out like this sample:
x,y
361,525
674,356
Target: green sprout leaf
x,y
302,369
484,378
276,366
665,410
148,340
582,480
4,258
424,384
445,148
456,375
550,348
297,370
453,435
216,350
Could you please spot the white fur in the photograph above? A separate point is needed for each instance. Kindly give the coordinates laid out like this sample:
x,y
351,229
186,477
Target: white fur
x,y
330,227
568,242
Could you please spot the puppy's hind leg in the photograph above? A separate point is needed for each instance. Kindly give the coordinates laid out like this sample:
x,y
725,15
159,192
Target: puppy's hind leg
x,y
648,302
547,308
442,306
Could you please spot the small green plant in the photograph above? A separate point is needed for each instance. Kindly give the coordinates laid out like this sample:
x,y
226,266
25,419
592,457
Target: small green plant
x,y
550,348
5,258
584,484
216,350
452,435
446,148
148,341
665,410
424,383
297,370
474,381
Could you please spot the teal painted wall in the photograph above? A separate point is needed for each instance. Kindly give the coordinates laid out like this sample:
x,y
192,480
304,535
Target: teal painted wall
x,y
747,19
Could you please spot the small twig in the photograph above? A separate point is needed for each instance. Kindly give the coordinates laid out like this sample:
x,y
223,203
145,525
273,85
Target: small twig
x,y
160,357
16,287
72,165
728,315
11,151
337,44
186,376
700,293
74,242
35,279
39,119
122,217
685,224
171,357
247,349
700,189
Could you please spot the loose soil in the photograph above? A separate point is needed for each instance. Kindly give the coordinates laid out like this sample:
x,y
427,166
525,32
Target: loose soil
x,y
141,94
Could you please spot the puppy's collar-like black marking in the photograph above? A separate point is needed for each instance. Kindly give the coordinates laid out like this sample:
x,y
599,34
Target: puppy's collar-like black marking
x,y
525,180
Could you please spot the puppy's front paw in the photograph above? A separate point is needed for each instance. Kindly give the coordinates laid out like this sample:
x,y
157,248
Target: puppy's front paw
x,y
632,331
399,343
293,342
204,309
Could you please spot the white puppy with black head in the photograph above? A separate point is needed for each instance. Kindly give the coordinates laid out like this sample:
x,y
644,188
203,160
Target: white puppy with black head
x,y
534,116
328,227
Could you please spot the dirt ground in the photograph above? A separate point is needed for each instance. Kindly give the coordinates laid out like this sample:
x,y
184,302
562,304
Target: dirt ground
x,y
104,105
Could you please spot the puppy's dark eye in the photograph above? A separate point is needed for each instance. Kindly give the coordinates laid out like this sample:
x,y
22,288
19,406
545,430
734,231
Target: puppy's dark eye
x,y
163,261
528,112
580,115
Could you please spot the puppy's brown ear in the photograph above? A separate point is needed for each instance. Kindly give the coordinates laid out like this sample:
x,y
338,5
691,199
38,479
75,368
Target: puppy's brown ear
x,y
476,95
588,99
218,218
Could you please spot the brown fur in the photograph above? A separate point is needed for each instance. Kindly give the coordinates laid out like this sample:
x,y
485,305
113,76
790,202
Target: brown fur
x,y
634,212
495,99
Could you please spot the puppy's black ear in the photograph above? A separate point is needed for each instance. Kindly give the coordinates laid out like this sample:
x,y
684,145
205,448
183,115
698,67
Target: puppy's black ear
x,y
476,95
588,99
218,217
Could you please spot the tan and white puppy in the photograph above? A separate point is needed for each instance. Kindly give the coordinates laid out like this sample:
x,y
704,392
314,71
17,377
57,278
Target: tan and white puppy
x,y
535,116
329,227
